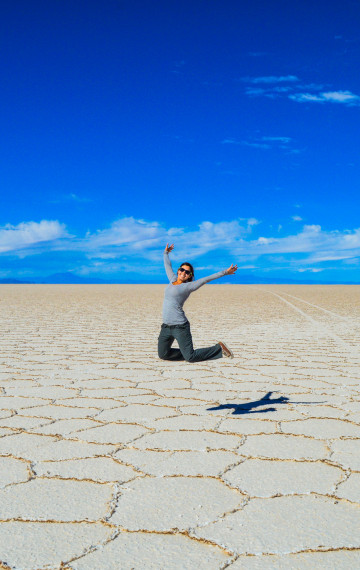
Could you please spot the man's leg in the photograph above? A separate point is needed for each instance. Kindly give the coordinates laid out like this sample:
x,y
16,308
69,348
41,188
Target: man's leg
x,y
165,341
183,336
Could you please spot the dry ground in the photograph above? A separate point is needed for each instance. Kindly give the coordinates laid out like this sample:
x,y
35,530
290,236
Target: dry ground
x,y
113,459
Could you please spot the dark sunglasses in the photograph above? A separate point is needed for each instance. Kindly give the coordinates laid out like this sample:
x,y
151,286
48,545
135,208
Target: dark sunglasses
x,y
186,271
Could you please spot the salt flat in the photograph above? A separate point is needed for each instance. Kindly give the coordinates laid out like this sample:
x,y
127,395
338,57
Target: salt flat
x,y
111,458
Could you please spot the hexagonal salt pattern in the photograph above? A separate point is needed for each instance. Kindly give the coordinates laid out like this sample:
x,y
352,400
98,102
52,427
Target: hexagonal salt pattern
x,y
344,559
110,457
13,471
43,499
48,545
153,551
169,503
286,524
267,478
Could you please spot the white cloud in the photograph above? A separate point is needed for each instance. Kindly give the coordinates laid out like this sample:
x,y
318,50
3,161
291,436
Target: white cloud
x,y
77,198
141,239
72,197
273,87
321,258
264,241
283,89
272,79
284,140
311,240
230,141
266,142
135,244
125,232
296,218
344,97
255,91
305,98
252,222
29,234
311,269
261,145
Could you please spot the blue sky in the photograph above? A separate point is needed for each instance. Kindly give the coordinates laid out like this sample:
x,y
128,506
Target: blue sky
x,y
230,128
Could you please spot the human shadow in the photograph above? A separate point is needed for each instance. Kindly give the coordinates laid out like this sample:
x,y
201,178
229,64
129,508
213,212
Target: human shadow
x,y
249,406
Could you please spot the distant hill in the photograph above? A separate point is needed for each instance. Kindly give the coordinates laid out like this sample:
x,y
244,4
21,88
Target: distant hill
x,y
56,278
135,278
11,281
69,278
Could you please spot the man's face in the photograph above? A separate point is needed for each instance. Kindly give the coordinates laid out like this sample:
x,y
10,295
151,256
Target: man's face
x,y
184,273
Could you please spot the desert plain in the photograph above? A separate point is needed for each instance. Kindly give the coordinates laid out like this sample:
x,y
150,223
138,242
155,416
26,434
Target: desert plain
x,y
113,459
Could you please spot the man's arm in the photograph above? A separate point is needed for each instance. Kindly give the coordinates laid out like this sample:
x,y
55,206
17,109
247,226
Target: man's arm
x,y
194,285
168,267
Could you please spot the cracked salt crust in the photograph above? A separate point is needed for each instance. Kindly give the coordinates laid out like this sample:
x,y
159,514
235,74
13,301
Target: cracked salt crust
x,y
350,489
209,464
323,412
243,426
322,428
15,403
46,545
173,503
99,403
21,422
344,559
60,412
111,433
66,426
192,422
153,551
283,446
188,440
47,448
50,499
267,478
42,392
13,471
137,412
93,431
286,524
101,469
346,453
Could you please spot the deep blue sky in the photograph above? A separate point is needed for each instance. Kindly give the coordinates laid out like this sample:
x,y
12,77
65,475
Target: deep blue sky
x,y
228,127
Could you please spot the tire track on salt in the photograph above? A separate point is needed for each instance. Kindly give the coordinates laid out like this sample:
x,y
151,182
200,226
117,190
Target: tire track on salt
x,y
319,326
348,319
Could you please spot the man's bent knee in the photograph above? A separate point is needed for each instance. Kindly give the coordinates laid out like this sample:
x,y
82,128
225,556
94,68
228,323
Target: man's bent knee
x,y
163,354
190,357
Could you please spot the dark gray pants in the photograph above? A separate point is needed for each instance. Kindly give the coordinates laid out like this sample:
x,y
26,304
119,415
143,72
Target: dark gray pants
x,y
182,334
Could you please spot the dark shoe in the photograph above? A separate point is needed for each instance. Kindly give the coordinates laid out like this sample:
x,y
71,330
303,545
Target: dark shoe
x,y
226,351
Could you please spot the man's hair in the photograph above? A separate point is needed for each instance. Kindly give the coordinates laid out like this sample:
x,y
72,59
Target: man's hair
x,y
191,277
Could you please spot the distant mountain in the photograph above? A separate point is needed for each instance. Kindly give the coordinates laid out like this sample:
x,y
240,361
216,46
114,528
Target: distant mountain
x,y
11,281
70,278
56,278
256,280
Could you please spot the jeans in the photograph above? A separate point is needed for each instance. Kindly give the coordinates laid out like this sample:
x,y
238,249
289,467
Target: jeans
x,y
182,334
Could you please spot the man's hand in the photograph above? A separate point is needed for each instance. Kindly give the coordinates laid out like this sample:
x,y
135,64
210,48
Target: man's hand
x,y
231,269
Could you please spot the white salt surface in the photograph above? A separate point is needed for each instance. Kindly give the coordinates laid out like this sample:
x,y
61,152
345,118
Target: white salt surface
x,y
111,458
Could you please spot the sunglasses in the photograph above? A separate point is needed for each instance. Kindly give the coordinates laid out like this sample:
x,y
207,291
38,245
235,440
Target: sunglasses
x,y
186,271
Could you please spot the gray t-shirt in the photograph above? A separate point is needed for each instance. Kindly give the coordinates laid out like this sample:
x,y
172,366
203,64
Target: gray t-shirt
x,y
176,295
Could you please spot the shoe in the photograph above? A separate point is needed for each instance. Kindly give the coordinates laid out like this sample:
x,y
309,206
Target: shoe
x,y
225,350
